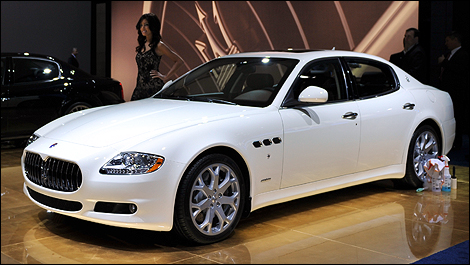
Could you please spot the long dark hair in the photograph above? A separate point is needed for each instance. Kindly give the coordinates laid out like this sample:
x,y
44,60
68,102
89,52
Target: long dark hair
x,y
154,25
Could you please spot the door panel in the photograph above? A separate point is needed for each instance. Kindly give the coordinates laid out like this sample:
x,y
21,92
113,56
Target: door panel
x,y
385,119
319,143
384,129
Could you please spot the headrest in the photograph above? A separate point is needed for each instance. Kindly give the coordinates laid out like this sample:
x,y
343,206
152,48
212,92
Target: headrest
x,y
257,81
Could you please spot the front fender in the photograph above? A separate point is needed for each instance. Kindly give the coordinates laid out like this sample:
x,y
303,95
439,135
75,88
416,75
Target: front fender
x,y
184,145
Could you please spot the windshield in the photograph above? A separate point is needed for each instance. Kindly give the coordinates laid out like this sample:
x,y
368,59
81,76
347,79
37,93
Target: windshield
x,y
238,81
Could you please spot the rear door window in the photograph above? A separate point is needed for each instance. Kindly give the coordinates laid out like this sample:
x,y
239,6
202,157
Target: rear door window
x,y
33,70
371,78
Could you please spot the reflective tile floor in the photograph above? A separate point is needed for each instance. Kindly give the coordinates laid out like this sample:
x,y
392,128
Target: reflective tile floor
x,y
371,223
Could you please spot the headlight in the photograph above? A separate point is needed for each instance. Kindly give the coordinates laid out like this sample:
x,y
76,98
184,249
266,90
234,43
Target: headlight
x,y
131,163
31,139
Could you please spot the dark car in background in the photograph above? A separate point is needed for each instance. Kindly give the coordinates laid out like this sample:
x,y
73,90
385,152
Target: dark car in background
x,y
37,89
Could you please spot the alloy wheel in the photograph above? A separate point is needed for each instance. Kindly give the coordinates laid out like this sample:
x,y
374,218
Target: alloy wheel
x,y
426,147
215,198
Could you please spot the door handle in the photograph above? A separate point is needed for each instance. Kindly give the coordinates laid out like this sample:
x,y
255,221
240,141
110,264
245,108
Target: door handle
x,y
350,115
409,106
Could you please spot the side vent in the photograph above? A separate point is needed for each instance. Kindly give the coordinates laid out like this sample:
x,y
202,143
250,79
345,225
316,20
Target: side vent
x,y
267,142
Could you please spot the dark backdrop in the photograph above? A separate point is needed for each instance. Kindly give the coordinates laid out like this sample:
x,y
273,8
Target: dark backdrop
x,y
54,27
48,27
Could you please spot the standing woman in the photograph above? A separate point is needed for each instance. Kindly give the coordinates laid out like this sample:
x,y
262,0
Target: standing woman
x,y
149,54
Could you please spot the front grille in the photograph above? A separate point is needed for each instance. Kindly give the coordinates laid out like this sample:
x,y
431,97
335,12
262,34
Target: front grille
x,y
53,173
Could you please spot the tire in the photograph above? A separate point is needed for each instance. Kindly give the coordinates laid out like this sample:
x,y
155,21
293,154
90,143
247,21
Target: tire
x,y
210,199
424,145
78,106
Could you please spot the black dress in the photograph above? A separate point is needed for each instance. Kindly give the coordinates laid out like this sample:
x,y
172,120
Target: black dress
x,y
146,85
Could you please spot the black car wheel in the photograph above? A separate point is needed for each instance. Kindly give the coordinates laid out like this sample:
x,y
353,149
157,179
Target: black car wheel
x,y
424,145
210,200
78,106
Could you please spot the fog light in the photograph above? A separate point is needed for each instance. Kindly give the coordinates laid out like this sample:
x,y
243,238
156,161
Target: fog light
x,y
116,208
132,208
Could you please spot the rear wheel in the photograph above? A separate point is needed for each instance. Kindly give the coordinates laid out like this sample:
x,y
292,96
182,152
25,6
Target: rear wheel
x,y
424,145
210,200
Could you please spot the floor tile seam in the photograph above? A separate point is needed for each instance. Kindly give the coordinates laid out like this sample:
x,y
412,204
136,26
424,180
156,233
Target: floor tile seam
x,y
8,256
21,207
384,204
356,210
9,151
358,232
432,224
354,246
459,201
19,166
12,246
462,180
53,236
8,166
7,188
463,231
182,261
370,208
347,206
42,225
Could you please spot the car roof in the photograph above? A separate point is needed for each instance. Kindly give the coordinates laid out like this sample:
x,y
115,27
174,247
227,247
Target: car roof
x,y
27,54
43,56
305,54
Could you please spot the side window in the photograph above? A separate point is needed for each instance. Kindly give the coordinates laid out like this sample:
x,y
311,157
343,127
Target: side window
x,y
372,78
32,70
326,74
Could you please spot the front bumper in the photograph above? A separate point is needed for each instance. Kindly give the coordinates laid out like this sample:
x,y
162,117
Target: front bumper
x,y
153,194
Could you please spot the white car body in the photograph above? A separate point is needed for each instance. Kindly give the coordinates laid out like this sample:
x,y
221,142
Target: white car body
x,y
319,150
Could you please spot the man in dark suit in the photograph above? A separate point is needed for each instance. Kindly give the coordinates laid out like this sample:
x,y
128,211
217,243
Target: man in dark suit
x,y
454,79
412,59
73,57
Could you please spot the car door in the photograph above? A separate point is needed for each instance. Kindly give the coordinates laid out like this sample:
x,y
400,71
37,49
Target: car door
x,y
321,140
386,113
34,97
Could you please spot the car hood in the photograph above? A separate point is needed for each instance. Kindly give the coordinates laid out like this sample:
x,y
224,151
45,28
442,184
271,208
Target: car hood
x,y
109,125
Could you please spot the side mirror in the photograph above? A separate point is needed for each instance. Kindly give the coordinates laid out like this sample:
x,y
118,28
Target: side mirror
x,y
313,94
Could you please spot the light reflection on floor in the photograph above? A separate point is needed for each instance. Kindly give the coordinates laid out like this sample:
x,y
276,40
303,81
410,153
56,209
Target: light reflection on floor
x,y
371,223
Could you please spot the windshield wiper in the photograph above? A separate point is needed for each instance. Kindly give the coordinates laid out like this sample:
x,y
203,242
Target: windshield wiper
x,y
177,97
213,100
222,101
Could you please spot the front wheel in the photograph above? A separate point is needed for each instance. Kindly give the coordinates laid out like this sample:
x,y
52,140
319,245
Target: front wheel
x,y
424,145
78,106
210,200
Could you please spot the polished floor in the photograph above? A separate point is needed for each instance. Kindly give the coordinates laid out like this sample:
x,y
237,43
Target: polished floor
x,y
372,223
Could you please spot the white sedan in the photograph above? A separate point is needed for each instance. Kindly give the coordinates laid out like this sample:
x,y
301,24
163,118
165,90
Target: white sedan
x,y
235,134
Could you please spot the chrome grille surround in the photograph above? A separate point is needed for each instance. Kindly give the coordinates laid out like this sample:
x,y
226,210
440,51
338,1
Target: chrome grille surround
x,y
52,173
